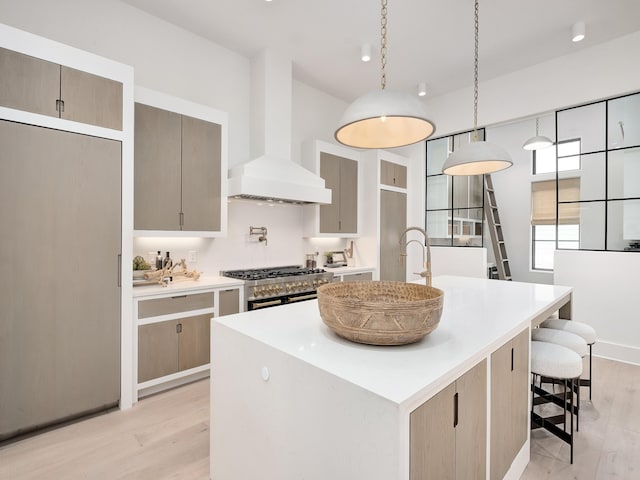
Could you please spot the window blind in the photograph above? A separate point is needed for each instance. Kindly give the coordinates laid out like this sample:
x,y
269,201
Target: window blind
x,y
543,202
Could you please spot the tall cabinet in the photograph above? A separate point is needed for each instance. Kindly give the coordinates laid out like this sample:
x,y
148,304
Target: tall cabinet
x,y
392,181
61,247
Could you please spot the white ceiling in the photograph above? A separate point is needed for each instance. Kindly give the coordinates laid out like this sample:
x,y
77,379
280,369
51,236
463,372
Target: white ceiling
x,y
428,40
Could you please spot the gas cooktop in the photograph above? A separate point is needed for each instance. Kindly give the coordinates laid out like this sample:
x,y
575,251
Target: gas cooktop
x,y
273,272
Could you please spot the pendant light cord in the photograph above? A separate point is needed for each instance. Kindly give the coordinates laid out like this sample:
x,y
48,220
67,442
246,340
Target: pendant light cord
x,y
475,78
383,43
537,127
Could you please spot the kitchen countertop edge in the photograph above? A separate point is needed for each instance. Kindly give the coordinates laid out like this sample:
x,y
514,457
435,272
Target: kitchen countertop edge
x,y
182,286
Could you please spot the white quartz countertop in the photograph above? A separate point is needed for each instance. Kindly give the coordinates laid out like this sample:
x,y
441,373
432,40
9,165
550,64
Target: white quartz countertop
x,y
186,286
479,316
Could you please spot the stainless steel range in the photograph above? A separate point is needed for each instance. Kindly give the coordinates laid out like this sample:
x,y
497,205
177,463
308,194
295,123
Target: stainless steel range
x,y
268,287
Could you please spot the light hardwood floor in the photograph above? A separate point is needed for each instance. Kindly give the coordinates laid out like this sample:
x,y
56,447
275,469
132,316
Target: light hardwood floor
x,y
167,437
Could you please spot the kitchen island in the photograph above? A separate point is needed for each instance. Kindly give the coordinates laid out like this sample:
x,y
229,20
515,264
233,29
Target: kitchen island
x,y
291,400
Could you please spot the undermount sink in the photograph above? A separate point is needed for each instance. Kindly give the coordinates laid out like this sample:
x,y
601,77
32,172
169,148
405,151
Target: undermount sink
x,y
380,312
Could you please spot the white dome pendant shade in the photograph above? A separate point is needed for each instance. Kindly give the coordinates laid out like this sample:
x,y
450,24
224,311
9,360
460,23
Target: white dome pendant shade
x,y
384,119
538,142
478,157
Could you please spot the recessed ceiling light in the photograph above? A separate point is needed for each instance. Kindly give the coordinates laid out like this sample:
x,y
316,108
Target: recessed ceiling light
x,y
422,89
577,32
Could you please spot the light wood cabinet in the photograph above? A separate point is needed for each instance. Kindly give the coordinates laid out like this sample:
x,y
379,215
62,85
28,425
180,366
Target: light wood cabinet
x,y
393,221
448,431
61,220
357,277
181,343
509,402
341,176
229,302
177,172
393,174
341,170
39,86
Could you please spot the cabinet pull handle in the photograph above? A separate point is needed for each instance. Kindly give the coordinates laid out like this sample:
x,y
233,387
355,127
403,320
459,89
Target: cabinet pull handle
x,y
181,219
179,328
512,359
179,296
455,410
119,270
60,106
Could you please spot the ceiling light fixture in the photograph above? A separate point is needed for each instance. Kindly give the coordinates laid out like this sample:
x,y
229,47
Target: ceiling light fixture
x,y
538,142
383,118
365,52
422,89
478,157
577,32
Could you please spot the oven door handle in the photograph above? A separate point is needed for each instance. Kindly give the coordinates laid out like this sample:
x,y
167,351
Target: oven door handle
x,y
300,298
259,304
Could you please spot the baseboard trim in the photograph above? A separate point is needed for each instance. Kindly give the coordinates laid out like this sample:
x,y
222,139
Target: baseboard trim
x,y
614,351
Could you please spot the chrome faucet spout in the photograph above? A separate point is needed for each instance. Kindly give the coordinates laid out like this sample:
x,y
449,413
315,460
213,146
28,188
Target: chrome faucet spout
x,y
426,246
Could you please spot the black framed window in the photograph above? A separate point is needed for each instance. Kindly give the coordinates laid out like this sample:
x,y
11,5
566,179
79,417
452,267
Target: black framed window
x,y
454,212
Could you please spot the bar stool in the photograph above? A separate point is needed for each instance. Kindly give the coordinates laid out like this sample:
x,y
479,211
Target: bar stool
x,y
570,341
560,363
579,328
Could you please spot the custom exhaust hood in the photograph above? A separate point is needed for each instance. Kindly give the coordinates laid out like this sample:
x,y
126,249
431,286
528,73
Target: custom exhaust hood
x,y
272,175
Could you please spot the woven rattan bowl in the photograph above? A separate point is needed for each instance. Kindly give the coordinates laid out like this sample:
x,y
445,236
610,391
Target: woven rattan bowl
x,y
380,313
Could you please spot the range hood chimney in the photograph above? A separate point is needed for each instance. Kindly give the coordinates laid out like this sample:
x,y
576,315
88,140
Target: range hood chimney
x,y
272,175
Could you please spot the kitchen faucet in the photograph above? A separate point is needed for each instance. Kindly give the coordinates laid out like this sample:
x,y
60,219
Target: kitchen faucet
x,y
427,245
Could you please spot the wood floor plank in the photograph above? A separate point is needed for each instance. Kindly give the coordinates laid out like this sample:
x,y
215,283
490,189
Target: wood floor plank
x,y
166,436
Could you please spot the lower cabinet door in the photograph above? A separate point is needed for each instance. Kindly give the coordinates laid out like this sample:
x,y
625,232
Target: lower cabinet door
x,y
157,350
449,431
229,301
509,402
194,341
432,438
471,427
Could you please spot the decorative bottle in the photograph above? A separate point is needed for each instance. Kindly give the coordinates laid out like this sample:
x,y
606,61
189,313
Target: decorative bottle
x,y
167,263
159,261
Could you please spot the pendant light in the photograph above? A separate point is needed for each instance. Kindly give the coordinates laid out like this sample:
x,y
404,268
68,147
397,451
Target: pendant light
x,y
383,118
538,142
478,157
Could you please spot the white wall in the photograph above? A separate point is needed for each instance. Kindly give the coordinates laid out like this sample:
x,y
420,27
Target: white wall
x,y
165,58
606,297
173,61
590,74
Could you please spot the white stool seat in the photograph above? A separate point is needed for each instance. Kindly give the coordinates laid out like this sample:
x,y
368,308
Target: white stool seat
x,y
579,328
561,337
554,361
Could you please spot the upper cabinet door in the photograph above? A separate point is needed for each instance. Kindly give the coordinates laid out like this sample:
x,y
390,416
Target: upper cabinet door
x,y
156,169
201,175
28,83
330,214
393,174
91,99
348,196
38,86
180,167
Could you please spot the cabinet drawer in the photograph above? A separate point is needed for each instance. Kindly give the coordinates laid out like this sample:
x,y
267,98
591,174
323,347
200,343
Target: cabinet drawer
x,y
178,303
358,277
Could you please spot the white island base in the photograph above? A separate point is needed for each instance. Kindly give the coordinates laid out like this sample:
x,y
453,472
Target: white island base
x,y
291,400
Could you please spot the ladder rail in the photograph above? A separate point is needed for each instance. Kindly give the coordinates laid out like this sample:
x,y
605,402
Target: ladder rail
x,y
495,230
